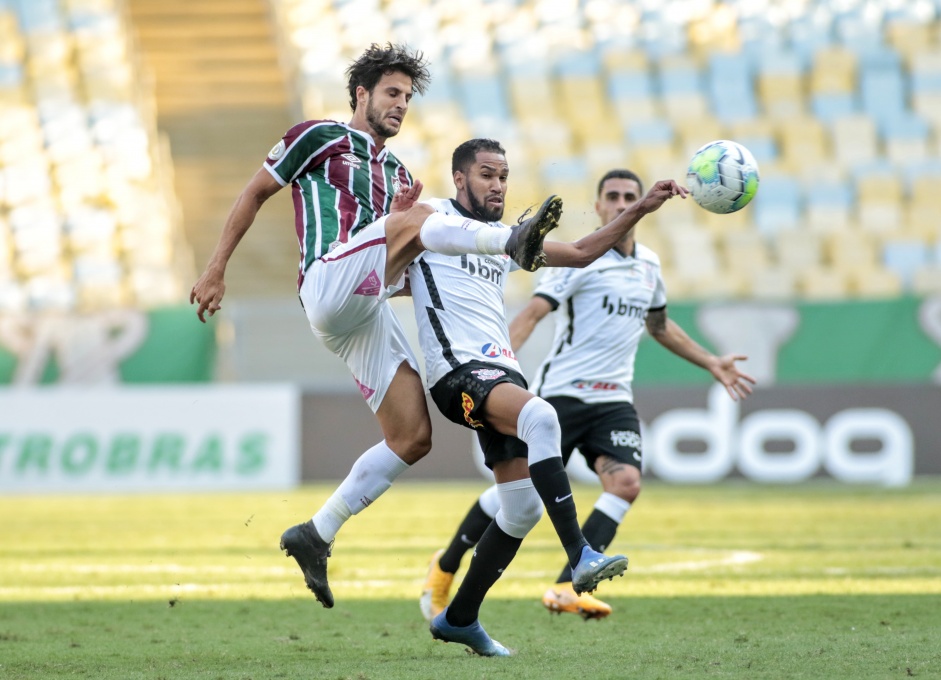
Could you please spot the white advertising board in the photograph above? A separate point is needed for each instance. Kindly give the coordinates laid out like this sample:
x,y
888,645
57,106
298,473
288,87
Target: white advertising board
x,y
167,438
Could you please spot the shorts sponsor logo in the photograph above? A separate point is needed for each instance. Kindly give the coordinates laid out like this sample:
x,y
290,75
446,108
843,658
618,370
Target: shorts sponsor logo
x,y
352,160
468,405
370,286
493,350
367,391
488,373
625,438
276,151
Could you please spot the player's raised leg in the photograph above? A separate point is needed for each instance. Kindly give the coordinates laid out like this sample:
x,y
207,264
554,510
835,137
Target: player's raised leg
x,y
420,228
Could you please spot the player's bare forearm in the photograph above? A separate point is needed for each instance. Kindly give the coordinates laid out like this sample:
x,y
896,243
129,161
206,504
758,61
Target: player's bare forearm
x,y
525,322
587,249
209,289
669,334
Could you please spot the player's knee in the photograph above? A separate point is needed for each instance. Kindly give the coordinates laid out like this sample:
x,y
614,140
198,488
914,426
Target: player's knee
x,y
413,445
520,508
626,486
538,418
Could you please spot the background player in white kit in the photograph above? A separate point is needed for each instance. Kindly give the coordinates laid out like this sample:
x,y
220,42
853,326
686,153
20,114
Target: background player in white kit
x,y
476,382
587,379
354,254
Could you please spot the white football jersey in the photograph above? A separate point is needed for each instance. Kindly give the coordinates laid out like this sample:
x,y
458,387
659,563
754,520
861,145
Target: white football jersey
x,y
459,306
600,317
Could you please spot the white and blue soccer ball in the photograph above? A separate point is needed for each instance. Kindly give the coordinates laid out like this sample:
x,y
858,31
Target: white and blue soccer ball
x,y
722,176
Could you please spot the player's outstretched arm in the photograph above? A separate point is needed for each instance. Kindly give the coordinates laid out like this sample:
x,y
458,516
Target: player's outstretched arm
x,y
525,322
669,334
587,249
210,288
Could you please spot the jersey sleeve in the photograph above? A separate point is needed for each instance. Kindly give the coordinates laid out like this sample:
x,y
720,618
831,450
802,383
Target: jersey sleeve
x,y
558,284
659,299
305,145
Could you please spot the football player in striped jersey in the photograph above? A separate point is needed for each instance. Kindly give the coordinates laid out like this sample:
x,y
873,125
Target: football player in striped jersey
x,y
359,227
475,381
603,310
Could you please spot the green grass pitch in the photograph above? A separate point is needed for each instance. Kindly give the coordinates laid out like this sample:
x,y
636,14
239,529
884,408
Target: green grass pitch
x,y
729,581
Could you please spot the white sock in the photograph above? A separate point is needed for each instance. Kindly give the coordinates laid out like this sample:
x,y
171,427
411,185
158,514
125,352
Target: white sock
x,y
613,506
538,426
457,235
371,474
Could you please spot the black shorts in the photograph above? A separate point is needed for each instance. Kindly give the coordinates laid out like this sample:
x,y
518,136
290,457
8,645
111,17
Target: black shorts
x,y
609,429
460,396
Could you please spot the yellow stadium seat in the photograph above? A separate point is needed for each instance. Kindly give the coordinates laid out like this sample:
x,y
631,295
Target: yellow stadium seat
x,y
927,281
803,141
798,249
823,284
855,140
850,250
744,251
833,71
772,283
875,283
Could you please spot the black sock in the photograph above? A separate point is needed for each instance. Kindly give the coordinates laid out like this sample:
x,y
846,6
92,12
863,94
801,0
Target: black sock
x,y
472,527
599,530
494,553
552,485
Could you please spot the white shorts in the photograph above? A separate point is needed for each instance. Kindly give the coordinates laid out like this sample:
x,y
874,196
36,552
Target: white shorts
x,y
348,308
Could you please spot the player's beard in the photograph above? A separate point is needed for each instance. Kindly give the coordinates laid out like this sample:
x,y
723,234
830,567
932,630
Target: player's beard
x,y
484,211
376,123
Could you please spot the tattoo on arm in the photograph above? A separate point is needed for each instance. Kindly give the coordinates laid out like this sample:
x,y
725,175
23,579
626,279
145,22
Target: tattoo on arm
x,y
657,321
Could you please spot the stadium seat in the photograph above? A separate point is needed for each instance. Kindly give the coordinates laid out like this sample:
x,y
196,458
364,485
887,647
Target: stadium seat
x,y
927,280
777,205
798,250
904,258
823,284
772,283
877,283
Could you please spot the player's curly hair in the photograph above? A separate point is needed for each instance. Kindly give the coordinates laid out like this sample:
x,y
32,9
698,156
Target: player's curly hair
x,y
465,154
379,60
620,173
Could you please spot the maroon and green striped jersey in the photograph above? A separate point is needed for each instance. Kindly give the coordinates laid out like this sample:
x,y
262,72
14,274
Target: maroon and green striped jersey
x,y
340,183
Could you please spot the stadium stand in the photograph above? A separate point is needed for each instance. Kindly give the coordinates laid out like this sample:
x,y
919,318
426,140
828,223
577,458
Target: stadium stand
x,y
839,100
88,217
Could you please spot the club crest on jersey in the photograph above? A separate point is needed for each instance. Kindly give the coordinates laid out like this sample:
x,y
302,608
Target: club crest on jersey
x,y
352,160
492,350
277,151
396,185
468,405
650,278
488,373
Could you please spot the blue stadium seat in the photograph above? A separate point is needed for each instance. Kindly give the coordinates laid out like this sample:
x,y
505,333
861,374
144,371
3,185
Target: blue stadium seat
x,y
777,205
828,106
904,258
483,97
883,93
730,87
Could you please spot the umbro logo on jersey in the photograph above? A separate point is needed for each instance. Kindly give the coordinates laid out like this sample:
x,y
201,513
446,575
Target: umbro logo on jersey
x,y
352,160
488,373
277,151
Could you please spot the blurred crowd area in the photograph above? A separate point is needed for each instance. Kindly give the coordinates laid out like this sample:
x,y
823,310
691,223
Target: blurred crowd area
x,y
839,101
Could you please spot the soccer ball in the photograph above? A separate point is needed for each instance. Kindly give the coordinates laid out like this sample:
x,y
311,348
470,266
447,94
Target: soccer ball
x,y
722,176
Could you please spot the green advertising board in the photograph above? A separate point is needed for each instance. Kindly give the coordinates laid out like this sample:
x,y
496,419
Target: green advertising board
x,y
891,341
166,345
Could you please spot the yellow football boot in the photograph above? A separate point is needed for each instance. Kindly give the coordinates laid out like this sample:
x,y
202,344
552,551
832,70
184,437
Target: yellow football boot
x,y
437,590
561,597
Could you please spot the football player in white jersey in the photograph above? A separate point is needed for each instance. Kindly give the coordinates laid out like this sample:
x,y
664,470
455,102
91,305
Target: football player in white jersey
x,y
475,381
359,227
604,309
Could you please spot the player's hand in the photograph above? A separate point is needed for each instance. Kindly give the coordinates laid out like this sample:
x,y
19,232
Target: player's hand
x,y
660,193
406,197
737,383
208,292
